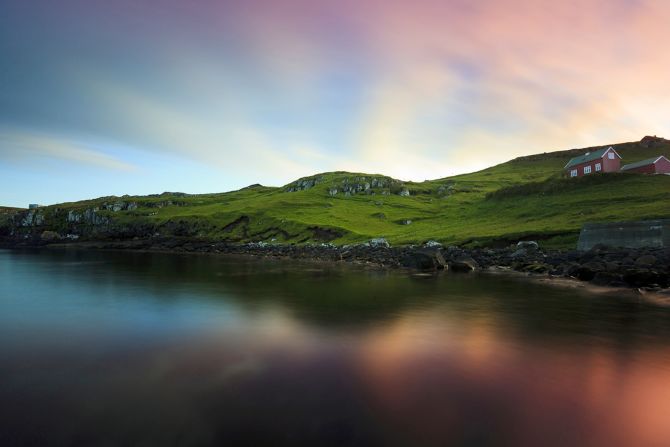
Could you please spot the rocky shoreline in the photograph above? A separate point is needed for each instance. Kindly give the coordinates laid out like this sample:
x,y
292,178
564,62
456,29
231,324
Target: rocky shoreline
x,y
643,268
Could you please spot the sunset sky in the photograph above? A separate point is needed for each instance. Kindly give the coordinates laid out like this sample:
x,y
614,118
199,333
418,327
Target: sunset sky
x,y
136,97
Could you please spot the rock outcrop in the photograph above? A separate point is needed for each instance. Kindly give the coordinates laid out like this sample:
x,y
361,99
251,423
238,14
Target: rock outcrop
x,y
352,185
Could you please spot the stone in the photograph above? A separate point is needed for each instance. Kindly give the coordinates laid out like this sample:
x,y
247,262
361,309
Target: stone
x,y
427,259
611,266
27,219
527,245
49,236
536,267
608,279
646,260
639,277
520,253
432,244
378,242
587,271
463,264
73,217
404,192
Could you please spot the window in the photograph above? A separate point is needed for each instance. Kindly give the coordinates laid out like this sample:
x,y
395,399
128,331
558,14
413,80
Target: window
x,y
573,173
587,169
599,167
610,155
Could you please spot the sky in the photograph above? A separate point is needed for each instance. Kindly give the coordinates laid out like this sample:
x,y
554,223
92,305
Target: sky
x,y
105,98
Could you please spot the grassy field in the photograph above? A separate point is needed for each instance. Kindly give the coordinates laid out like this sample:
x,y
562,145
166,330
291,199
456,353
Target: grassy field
x,y
523,198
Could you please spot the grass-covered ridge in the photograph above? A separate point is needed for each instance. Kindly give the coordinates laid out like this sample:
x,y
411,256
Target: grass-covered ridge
x,y
525,197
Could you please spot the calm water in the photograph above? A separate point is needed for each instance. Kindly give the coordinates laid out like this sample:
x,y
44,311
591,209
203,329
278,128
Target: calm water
x,y
102,348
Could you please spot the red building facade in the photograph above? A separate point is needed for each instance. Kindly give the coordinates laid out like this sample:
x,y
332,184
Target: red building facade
x,y
603,160
658,165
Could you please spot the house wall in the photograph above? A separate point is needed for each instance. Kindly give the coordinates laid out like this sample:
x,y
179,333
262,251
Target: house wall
x,y
613,165
663,166
580,168
646,169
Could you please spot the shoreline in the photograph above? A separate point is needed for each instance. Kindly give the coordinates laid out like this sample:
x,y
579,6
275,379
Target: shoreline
x,y
641,272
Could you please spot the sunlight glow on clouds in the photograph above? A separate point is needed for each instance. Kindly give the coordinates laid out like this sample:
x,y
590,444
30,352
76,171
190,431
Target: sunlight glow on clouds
x,y
266,91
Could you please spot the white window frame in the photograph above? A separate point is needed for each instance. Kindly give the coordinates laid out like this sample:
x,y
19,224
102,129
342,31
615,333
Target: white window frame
x,y
573,173
610,155
599,167
587,169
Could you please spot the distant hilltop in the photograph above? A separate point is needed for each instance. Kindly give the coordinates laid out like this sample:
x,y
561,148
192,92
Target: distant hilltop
x,y
654,141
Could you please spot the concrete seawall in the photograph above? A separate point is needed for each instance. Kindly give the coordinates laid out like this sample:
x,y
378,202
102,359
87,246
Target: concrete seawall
x,y
646,233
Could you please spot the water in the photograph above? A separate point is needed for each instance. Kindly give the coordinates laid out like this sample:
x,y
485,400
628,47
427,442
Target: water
x,y
104,348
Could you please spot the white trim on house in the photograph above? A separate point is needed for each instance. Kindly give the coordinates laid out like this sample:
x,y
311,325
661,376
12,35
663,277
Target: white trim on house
x,y
573,173
607,151
587,169
599,167
662,156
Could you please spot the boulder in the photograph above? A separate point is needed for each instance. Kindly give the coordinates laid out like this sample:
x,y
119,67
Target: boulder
x,y
49,236
426,259
378,242
520,253
463,264
532,245
587,271
536,267
608,279
611,266
639,277
646,260
432,244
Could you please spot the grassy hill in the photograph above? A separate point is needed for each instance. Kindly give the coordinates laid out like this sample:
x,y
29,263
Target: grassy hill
x,y
523,198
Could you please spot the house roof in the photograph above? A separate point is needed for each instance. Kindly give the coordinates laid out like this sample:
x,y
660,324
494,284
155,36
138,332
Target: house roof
x,y
641,163
589,156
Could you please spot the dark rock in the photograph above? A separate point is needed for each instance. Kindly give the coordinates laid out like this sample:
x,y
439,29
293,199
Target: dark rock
x,y
612,266
646,260
536,267
463,264
49,236
528,245
608,279
587,271
638,277
423,260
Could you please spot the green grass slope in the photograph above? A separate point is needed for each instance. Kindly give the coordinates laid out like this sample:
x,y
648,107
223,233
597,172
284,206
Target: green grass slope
x,y
523,198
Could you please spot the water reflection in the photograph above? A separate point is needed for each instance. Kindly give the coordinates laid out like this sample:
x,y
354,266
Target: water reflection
x,y
128,348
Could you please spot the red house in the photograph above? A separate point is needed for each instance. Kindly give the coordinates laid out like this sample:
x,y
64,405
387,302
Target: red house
x,y
656,165
602,160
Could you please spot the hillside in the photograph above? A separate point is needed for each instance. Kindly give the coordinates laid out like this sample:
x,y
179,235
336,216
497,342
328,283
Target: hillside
x,y
525,197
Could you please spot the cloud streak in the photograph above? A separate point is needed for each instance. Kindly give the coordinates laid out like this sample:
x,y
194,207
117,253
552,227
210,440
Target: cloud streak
x,y
17,145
